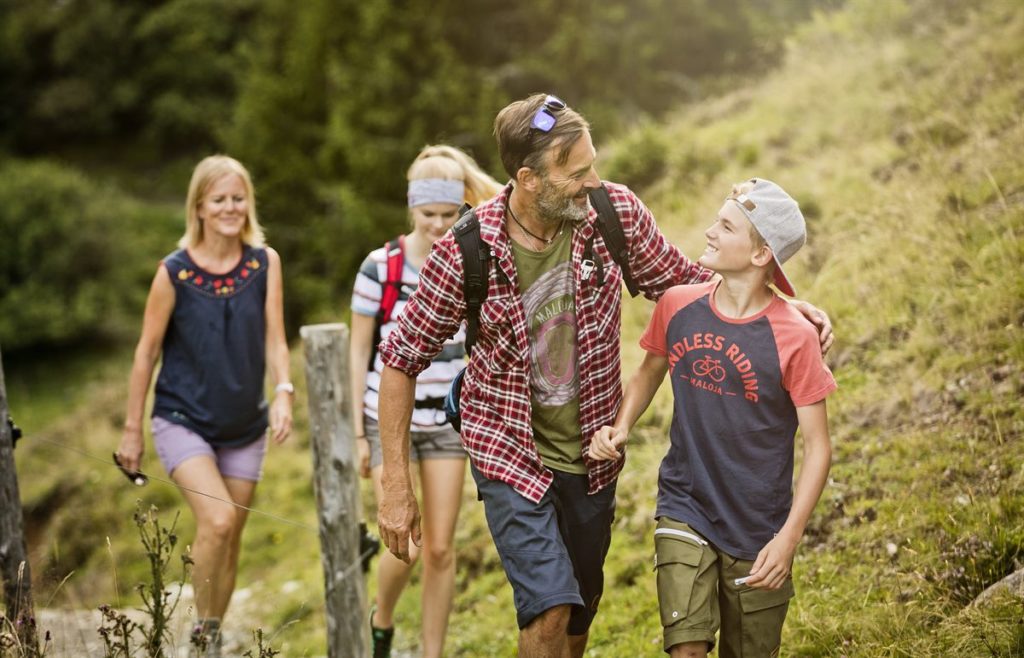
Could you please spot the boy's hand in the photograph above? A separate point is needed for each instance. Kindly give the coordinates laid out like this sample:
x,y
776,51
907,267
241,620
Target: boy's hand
x,y
606,442
774,563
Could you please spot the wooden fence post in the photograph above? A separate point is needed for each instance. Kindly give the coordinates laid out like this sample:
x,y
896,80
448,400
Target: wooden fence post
x,y
336,482
14,567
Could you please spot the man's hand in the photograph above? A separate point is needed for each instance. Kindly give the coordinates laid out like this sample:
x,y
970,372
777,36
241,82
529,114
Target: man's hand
x,y
606,442
398,518
819,319
773,564
398,515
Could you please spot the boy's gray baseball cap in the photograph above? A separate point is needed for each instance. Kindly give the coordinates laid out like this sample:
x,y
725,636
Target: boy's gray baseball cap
x,y
777,217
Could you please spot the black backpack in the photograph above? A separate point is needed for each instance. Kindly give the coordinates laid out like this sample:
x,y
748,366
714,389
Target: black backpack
x,y
476,260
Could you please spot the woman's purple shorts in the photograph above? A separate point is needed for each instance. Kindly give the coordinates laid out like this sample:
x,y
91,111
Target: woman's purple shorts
x,y
176,443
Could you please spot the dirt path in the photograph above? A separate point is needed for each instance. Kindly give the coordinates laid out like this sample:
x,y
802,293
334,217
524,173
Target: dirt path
x,y
73,631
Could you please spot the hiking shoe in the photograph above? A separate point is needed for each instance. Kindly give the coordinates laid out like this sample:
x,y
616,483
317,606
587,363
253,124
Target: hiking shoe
x,y
213,649
206,641
380,638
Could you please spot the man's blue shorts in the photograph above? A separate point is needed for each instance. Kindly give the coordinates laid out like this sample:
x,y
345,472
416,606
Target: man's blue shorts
x,y
552,551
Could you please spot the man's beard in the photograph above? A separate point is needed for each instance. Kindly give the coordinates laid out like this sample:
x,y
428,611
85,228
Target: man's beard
x,y
554,207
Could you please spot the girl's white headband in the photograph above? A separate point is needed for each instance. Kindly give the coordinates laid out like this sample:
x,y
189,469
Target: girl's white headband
x,y
435,190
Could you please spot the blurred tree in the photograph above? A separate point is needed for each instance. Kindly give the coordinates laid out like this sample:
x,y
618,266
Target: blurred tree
x,y
192,68
623,61
79,64
277,130
110,75
332,113
395,84
77,257
328,101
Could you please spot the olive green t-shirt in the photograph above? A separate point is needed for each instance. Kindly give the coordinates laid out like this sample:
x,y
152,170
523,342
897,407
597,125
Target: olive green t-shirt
x,y
547,289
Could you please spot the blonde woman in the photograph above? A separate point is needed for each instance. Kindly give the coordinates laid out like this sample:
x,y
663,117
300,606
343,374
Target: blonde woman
x,y
215,314
440,179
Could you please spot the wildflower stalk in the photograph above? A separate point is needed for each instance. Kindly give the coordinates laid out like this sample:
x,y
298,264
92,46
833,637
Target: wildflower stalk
x,y
158,601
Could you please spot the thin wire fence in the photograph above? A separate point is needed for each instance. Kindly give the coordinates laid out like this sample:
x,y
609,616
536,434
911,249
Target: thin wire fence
x,y
358,563
108,462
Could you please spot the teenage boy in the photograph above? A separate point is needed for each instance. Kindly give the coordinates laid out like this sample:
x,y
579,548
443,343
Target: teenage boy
x,y
746,371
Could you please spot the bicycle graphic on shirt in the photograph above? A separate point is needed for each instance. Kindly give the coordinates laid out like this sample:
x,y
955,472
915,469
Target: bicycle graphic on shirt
x,y
708,367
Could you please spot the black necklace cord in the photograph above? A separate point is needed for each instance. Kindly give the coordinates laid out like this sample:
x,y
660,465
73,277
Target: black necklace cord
x,y
546,241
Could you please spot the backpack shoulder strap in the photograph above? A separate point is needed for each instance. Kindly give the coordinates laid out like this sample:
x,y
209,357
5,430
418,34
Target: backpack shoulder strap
x,y
609,225
476,258
391,289
392,284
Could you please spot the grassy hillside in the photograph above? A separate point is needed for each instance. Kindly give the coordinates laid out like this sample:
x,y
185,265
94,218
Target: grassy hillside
x,y
905,154
899,127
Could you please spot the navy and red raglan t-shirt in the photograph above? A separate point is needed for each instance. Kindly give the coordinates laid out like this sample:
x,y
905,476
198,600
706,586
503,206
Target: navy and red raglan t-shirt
x,y
736,384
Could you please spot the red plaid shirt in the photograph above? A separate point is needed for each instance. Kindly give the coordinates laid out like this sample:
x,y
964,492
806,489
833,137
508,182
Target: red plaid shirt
x,y
496,420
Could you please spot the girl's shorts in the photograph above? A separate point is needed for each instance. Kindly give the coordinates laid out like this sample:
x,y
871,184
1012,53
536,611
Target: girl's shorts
x,y
443,444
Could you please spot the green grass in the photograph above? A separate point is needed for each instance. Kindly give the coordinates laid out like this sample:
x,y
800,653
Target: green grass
x,y
899,127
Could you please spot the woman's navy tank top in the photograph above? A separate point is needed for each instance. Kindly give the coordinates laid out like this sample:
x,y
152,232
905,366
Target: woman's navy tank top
x,y
211,380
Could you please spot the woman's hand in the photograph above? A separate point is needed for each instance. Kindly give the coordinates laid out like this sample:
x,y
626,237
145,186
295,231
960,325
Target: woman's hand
x,y
130,450
363,456
281,417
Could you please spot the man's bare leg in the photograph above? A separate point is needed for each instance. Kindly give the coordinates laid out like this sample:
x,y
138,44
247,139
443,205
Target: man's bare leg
x,y
578,644
545,636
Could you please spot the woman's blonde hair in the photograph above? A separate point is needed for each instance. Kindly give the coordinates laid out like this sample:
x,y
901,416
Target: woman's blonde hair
x,y
210,170
449,163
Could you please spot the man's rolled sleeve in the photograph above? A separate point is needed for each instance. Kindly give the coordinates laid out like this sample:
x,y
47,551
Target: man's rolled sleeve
x,y
433,313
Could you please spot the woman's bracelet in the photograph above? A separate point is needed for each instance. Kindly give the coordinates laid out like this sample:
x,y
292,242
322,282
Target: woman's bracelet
x,y
360,436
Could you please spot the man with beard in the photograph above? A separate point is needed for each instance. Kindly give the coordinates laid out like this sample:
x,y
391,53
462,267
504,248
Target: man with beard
x,y
544,374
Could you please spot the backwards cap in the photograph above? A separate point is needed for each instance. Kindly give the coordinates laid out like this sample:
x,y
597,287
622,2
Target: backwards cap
x,y
777,218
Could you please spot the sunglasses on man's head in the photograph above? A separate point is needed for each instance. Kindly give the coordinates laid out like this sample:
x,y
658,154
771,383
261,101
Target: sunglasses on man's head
x,y
544,120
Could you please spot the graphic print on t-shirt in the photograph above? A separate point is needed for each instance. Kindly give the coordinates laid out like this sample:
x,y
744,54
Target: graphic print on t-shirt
x,y
709,371
551,314
736,386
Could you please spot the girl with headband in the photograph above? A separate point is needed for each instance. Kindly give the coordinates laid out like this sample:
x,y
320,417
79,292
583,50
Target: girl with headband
x,y
441,178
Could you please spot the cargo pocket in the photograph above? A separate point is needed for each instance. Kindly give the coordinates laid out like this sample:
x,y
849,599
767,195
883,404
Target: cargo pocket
x,y
764,612
756,600
677,561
